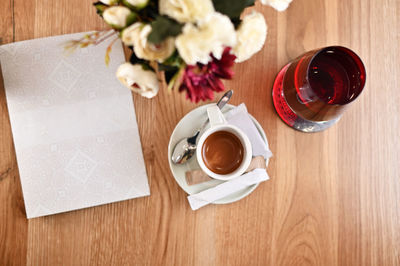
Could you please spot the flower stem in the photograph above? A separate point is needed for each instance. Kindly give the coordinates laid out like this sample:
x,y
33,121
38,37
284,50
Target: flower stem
x,y
111,33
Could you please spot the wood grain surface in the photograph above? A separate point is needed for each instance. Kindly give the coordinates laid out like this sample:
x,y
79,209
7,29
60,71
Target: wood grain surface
x,y
333,197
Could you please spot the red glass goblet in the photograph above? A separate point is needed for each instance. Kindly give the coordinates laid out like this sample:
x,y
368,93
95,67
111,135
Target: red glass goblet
x,y
311,92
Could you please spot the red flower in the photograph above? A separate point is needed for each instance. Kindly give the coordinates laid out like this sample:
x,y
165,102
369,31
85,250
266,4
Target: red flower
x,y
201,81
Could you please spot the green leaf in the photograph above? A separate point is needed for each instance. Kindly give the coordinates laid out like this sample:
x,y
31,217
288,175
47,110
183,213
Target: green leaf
x,y
162,28
170,74
146,66
232,8
169,71
150,12
174,60
236,22
132,17
136,60
163,67
171,67
100,7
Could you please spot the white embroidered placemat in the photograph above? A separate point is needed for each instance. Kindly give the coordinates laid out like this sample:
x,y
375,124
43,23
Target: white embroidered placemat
x,y
74,126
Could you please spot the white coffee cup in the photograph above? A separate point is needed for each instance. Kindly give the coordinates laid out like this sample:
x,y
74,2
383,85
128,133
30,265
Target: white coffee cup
x,y
218,123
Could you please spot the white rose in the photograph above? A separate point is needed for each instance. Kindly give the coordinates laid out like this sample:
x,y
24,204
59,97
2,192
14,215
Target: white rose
x,y
137,34
279,5
212,34
131,33
138,80
117,16
137,4
186,10
251,35
109,2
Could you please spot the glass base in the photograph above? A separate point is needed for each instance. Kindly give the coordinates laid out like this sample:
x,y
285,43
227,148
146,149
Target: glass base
x,y
286,113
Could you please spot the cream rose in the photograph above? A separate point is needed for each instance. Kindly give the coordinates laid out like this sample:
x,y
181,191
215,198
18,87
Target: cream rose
x,y
186,10
143,82
251,36
118,16
279,5
212,34
131,33
109,2
137,34
137,4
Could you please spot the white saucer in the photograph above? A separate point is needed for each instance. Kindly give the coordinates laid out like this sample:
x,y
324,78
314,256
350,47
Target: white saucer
x,y
187,127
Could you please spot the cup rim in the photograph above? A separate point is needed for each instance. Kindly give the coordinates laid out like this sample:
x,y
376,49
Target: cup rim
x,y
355,58
247,156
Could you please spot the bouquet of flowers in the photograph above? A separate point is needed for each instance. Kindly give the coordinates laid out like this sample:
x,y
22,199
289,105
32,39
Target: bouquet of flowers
x,y
190,44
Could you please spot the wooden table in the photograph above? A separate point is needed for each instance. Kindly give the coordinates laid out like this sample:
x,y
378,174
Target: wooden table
x,y
333,197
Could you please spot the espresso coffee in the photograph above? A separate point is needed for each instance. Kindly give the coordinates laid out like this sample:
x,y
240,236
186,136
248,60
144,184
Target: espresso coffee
x,y
222,152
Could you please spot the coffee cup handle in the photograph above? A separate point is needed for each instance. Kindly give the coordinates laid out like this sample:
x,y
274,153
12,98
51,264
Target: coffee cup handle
x,y
215,116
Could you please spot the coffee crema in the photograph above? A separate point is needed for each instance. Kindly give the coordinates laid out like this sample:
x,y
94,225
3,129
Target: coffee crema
x,y
222,152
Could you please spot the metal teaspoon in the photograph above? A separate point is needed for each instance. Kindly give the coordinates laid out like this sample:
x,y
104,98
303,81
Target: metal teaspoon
x,y
186,147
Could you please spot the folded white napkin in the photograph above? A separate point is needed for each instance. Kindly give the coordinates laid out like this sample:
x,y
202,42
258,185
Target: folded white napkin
x,y
208,196
74,126
238,117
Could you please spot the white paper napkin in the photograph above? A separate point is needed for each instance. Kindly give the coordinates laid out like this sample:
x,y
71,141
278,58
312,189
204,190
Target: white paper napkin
x,y
74,126
238,117
208,196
